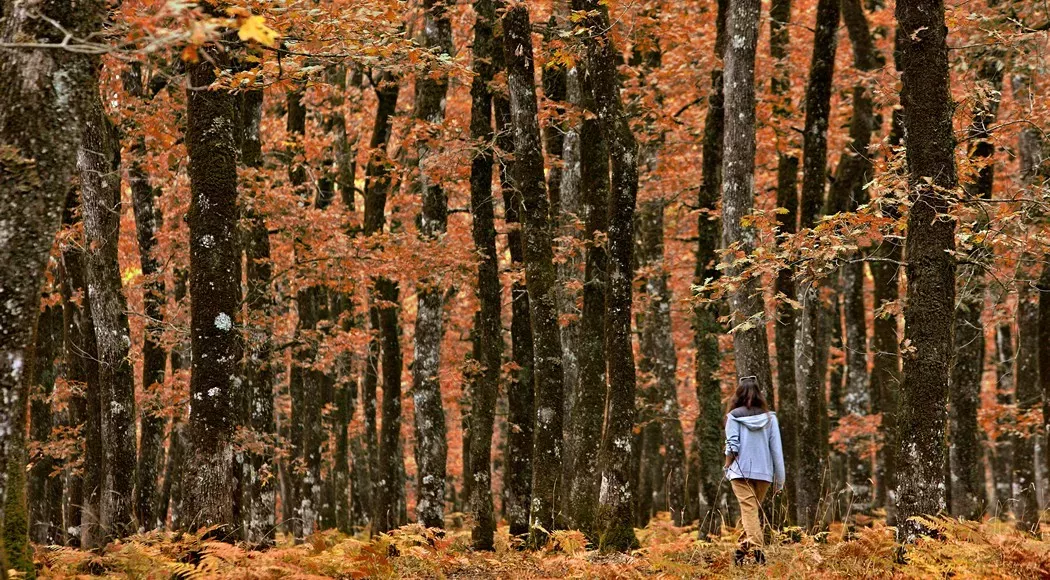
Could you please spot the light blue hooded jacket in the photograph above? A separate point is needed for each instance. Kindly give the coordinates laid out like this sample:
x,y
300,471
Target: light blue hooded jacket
x,y
753,435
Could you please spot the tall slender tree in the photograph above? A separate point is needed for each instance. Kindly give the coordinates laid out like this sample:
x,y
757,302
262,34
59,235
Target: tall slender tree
x,y
388,462
930,301
489,327
965,456
431,441
787,223
738,195
810,347
708,434
529,182
45,488
99,163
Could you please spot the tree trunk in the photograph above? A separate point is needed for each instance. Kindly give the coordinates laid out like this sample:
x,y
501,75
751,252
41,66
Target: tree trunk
x,y
738,196
431,438
259,491
1002,461
387,480
81,368
45,491
99,164
885,345
376,185
706,455
530,187
584,433
42,106
616,497
148,221
810,349
1026,386
787,222
1043,355
930,303
488,328
215,296
662,363
967,465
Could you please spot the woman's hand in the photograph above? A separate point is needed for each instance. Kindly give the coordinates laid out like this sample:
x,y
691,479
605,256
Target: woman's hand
x,y
729,460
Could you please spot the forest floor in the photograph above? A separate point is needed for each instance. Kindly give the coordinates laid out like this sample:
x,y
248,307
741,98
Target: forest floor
x,y
963,550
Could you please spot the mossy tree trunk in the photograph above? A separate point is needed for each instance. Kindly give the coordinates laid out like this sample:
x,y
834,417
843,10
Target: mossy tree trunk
x,y
215,302
540,279
930,301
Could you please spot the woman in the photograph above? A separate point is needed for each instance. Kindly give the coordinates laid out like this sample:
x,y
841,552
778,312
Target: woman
x,y
754,461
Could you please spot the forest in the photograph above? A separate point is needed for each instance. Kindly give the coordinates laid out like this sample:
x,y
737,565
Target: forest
x,y
465,288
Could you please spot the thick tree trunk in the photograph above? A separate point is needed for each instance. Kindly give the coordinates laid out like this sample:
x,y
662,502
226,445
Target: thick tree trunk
x,y
215,295
42,104
488,329
967,465
810,348
431,438
99,164
154,358
738,196
584,433
45,491
616,497
930,303
387,481
706,455
540,277
1043,356
787,222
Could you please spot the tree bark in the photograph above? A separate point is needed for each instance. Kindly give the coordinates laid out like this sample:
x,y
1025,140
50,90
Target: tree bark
x,y
148,221
540,276
489,331
930,303
258,484
99,163
42,107
706,456
1026,387
667,471
215,295
387,481
787,222
810,347
45,491
965,453
80,361
584,434
738,196
431,438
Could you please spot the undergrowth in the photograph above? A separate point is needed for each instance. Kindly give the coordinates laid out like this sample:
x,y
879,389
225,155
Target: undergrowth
x,y
962,550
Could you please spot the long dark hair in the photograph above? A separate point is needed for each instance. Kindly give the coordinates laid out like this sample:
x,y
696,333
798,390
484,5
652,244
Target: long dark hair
x,y
748,395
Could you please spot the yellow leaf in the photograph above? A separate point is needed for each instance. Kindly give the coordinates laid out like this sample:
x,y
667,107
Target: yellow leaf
x,y
254,28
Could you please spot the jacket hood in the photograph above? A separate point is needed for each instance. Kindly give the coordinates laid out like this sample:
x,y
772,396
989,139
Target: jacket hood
x,y
753,422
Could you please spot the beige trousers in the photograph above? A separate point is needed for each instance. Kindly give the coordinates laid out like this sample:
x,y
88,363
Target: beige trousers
x,y
749,493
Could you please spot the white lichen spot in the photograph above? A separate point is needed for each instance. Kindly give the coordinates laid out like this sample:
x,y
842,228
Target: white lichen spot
x,y
208,241
223,322
213,392
546,414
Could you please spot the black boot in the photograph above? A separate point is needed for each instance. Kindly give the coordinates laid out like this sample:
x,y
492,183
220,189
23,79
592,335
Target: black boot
x,y
760,557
